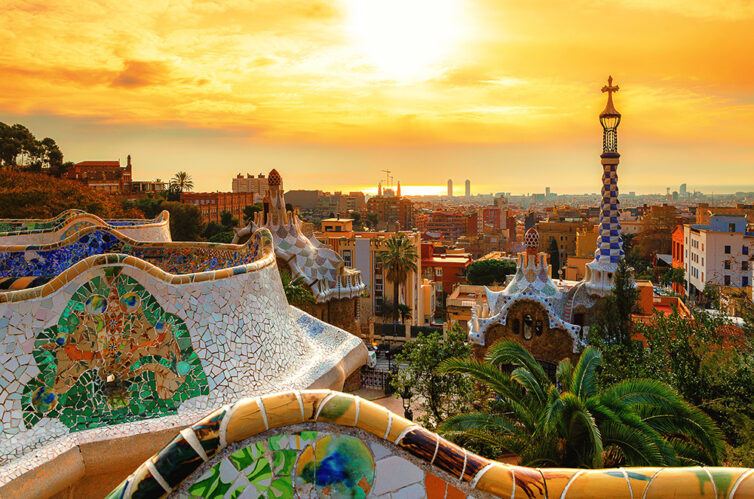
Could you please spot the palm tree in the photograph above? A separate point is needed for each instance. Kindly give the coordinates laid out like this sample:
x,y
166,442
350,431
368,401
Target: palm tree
x,y
405,312
296,291
637,422
398,259
183,181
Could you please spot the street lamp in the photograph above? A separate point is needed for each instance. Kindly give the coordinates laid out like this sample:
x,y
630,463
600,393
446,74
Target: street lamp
x,y
406,399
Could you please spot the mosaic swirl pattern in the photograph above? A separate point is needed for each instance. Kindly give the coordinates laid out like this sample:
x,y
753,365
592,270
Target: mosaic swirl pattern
x,y
115,346
114,355
344,446
48,231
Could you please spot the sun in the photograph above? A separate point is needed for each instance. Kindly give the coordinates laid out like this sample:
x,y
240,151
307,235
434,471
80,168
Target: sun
x,y
405,39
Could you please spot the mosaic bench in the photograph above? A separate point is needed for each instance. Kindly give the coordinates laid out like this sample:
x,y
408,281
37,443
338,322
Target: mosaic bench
x,y
116,347
319,443
53,259
46,231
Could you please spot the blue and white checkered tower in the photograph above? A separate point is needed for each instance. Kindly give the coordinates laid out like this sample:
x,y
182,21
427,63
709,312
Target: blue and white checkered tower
x,y
599,272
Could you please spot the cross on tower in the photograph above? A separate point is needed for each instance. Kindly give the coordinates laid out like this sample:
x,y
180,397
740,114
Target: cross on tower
x,y
609,88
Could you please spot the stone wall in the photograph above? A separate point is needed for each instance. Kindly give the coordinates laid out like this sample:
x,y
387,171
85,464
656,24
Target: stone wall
x,y
340,313
551,345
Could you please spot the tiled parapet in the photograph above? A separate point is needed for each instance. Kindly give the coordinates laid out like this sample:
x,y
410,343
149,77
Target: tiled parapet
x,y
115,346
45,262
320,443
47,231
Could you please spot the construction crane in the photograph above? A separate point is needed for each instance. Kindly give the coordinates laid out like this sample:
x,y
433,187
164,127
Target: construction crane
x,y
388,178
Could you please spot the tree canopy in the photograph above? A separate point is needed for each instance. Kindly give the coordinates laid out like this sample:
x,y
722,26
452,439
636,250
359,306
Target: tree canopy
x,y
20,148
487,272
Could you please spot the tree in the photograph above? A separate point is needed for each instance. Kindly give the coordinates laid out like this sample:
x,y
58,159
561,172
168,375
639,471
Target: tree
x,y
37,195
372,219
637,422
439,395
225,237
487,272
296,291
182,181
186,222
613,324
250,210
554,257
674,276
404,311
212,229
398,259
227,220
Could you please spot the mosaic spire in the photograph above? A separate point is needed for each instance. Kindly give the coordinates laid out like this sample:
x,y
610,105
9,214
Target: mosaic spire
x,y
609,243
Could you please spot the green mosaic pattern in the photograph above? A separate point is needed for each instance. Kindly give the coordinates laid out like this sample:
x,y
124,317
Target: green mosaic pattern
x,y
114,356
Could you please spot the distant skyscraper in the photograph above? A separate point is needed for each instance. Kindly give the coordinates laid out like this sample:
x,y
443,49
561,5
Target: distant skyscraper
x,y
547,192
683,190
450,187
468,188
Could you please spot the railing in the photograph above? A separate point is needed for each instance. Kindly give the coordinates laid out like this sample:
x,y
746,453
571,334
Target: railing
x,y
416,330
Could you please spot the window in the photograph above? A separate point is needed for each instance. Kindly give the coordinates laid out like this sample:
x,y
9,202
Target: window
x,y
744,250
516,326
745,265
727,264
745,281
347,258
727,249
528,322
538,328
726,280
731,227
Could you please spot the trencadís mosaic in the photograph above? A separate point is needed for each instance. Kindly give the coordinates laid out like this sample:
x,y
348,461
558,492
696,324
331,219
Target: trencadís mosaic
x,y
114,355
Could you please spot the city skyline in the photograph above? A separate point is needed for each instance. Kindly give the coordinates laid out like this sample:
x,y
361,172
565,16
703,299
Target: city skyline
x,y
333,92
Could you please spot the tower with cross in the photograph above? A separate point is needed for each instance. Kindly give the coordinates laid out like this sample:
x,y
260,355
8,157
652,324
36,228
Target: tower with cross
x,y
600,272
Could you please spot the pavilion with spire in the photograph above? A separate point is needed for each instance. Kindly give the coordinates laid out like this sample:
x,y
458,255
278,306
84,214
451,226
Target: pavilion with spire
x,y
548,317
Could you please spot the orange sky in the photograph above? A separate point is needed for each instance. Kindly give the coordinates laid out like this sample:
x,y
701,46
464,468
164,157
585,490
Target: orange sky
x,y
505,93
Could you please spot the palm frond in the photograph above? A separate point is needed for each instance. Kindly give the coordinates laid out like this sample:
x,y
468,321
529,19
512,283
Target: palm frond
x,y
512,352
584,382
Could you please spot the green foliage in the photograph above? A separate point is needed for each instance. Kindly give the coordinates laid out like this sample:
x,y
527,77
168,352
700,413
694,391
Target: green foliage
x,y
150,206
37,195
613,323
674,276
250,210
182,181
222,237
296,291
706,359
488,272
185,221
372,219
212,229
404,311
554,257
19,148
227,220
439,395
398,259
637,422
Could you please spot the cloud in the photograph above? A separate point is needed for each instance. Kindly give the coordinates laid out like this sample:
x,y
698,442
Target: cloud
x,y
142,74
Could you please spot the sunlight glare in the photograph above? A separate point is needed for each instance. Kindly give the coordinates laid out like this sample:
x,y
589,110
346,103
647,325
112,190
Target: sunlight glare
x,y
405,39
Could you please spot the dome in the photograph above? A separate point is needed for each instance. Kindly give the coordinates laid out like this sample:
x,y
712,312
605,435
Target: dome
x,y
531,238
274,178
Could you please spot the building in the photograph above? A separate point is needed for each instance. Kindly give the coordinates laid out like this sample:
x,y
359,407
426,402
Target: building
x,y
450,188
677,255
362,251
335,286
452,224
213,204
304,200
463,300
447,269
250,183
468,188
704,211
337,226
551,319
564,234
106,176
719,253
391,209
